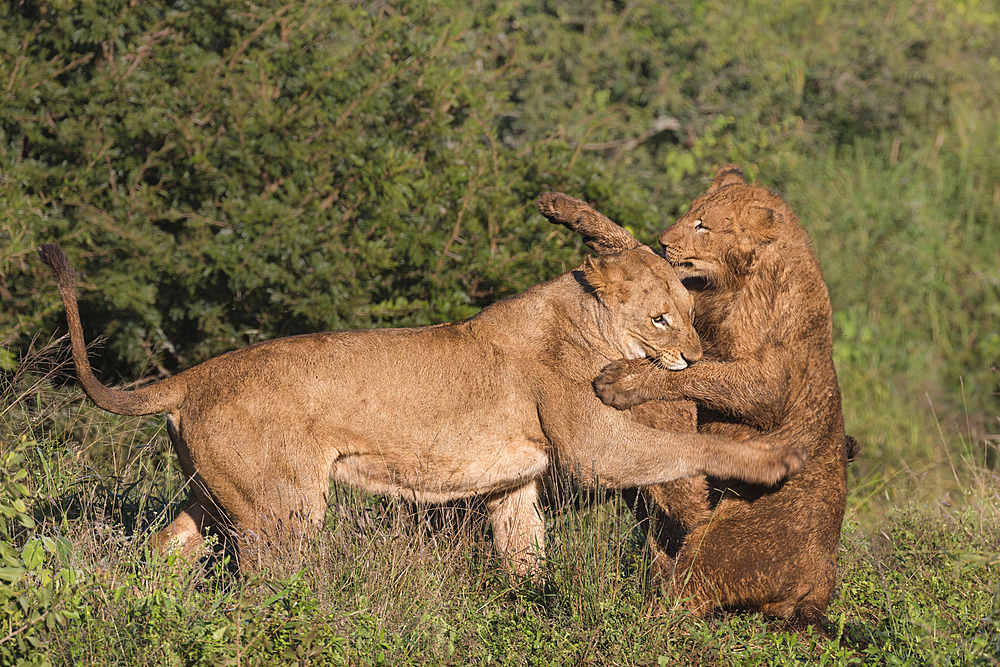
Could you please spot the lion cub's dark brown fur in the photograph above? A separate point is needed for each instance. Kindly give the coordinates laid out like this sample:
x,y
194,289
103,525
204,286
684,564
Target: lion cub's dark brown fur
x,y
763,313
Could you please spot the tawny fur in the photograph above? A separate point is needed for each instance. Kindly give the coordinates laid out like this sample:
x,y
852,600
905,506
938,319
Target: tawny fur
x,y
484,407
763,313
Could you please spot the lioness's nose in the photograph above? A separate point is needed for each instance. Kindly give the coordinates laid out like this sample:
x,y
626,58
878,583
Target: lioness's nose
x,y
692,356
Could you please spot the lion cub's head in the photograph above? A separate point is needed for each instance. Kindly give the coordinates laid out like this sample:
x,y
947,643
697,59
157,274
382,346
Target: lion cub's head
x,y
716,242
650,311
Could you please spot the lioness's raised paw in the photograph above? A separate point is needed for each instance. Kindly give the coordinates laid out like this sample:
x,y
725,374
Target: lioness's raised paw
x,y
598,231
619,385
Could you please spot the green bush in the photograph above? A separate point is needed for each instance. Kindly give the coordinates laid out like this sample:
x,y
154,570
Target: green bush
x,y
40,590
223,172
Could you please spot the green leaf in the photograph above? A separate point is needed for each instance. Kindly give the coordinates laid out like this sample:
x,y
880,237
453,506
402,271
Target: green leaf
x,y
8,361
11,574
33,553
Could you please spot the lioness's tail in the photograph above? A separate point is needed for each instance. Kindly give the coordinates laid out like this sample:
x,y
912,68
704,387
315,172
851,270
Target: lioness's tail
x,y
599,232
158,398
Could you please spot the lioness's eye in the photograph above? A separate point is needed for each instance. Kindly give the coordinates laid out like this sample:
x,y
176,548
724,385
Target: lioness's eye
x,y
660,321
700,225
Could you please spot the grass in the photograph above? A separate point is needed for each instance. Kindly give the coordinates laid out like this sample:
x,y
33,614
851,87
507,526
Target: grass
x,y
388,584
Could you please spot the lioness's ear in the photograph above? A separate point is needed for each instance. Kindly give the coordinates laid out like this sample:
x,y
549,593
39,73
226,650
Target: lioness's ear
x,y
728,175
762,223
606,279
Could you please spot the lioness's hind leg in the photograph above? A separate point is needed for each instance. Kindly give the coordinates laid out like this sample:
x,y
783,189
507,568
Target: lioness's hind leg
x,y
187,532
275,518
519,527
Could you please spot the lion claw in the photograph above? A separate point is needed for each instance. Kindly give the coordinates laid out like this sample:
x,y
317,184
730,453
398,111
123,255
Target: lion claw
x,y
790,460
613,387
795,459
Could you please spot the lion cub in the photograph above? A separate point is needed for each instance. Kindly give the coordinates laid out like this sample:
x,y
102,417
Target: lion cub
x,y
763,310
483,407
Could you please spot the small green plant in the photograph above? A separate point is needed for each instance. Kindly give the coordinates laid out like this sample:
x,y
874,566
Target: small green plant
x,y
40,590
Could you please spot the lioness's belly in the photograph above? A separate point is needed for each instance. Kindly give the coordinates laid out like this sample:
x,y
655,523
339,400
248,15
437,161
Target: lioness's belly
x,y
382,410
429,473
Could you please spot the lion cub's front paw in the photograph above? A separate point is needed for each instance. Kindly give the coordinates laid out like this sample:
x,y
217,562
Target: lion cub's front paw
x,y
618,386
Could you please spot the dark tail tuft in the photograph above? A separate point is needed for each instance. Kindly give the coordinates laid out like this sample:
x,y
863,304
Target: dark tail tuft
x,y
853,448
55,259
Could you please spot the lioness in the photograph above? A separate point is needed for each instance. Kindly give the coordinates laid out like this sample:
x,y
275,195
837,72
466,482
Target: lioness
x,y
763,313
482,407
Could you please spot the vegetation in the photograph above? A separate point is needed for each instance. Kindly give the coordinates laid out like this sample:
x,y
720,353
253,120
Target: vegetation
x,y
390,584
222,172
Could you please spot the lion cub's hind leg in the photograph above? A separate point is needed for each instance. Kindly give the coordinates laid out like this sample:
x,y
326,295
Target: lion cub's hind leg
x,y
750,563
519,527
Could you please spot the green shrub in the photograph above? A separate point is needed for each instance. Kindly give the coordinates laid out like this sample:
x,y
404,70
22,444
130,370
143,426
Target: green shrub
x,y
40,590
224,172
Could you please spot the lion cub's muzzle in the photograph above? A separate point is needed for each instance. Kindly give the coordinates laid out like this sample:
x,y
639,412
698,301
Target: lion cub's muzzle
x,y
693,278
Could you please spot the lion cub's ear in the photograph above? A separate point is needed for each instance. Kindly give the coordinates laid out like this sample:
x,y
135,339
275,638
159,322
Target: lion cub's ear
x,y
728,175
607,279
762,223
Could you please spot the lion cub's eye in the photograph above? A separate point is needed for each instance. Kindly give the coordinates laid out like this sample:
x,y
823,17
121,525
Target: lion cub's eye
x,y
699,225
660,321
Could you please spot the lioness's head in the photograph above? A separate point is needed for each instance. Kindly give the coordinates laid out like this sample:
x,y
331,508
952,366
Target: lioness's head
x,y
715,243
649,309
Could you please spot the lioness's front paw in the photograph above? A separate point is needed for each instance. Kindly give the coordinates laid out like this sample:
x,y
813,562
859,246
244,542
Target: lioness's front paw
x,y
618,387
787,462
